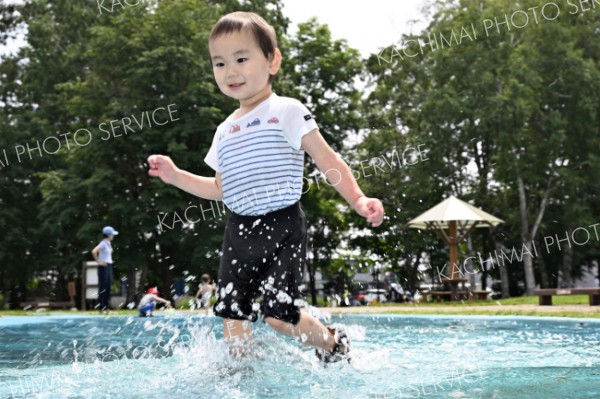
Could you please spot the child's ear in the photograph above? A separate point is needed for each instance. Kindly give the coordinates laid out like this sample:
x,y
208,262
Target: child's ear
x,y
275,62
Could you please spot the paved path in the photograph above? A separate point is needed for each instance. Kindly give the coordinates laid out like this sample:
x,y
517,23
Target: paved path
x,y
583,310
457,309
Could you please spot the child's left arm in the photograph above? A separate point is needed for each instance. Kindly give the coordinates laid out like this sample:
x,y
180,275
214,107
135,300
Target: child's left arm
x,y
339,175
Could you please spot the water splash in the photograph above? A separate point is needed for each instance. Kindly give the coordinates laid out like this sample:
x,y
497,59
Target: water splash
x,y
184,355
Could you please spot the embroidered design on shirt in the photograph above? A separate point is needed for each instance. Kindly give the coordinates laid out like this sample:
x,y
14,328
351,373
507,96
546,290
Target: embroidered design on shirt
x,y
308,117
273,120
234,128
255,122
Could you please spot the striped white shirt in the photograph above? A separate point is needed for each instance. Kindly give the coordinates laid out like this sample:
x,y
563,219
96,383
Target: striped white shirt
x,y
259,156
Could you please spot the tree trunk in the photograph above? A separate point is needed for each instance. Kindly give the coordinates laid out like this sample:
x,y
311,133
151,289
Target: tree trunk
x,y
166,279
567,269
484,275
543,271
529,235
413,270
142,283
504,280
60,289
131,285
528,265
18,294
311,282
2,291
526,237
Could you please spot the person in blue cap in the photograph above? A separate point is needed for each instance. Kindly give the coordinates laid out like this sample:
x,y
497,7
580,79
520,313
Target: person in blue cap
x,y
102,253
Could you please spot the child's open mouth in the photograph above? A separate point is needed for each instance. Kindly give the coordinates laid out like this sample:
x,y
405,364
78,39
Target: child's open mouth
x,y
236,85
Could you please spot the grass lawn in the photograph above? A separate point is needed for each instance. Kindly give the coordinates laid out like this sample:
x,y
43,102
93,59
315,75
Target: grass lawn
x,y
60,312
529,305
512,312
524,300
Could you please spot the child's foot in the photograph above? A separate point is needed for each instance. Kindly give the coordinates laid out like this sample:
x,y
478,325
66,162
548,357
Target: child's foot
x,y
341,349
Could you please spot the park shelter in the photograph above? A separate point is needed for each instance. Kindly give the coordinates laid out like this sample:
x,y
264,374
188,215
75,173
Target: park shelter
x,y
448,218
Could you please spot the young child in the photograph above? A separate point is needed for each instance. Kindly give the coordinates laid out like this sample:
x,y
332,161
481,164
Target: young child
x,y
205,292
148,302
258,156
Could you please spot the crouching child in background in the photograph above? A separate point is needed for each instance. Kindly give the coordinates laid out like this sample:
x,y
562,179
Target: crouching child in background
x,y
148,302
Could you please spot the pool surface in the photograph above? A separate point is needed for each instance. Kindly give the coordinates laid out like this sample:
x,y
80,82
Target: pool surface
x,y
179,356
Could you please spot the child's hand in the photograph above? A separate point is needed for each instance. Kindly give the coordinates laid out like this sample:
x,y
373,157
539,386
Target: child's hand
x,y
371,209
163,167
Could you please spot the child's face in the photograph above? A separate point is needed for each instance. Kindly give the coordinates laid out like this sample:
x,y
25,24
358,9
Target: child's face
x,y
240,67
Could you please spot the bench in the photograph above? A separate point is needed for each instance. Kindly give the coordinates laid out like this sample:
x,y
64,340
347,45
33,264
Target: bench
x,y
480,295
438,296
47,305
53,305
546,294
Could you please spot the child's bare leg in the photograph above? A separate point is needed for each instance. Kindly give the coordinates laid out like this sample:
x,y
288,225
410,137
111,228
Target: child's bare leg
x,y
315,333
237,333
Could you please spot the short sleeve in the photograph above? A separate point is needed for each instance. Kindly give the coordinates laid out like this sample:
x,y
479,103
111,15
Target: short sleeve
x,y
297,121
211,158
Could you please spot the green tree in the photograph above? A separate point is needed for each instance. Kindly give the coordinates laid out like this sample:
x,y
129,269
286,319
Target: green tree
x,y
82,69
499,113
321,72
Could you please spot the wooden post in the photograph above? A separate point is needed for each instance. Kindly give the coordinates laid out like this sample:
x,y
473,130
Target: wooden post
x,y
453,261
453,251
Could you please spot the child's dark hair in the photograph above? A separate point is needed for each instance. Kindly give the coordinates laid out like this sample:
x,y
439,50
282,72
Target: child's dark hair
x,y
255,24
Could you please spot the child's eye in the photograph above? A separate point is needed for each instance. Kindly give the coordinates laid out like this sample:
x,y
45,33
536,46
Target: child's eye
x,y
219,65
240,60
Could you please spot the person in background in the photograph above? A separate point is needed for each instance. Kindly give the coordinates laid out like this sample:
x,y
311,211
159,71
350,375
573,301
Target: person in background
x,y
205,293
348,300
148,302
102,254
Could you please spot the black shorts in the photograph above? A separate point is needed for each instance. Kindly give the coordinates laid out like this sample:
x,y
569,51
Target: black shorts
x,y
262,255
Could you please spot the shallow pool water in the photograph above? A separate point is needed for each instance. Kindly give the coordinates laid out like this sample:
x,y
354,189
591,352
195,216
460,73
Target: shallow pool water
x,y
393,357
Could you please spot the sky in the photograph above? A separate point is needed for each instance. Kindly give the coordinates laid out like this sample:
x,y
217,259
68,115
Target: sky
x,y
367,25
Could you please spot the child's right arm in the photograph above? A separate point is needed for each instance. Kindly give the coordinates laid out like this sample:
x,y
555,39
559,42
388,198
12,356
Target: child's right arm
x,y
200,186
165,301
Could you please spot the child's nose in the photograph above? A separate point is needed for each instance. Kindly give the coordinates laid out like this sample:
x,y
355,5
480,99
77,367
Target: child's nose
x,y
232,71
